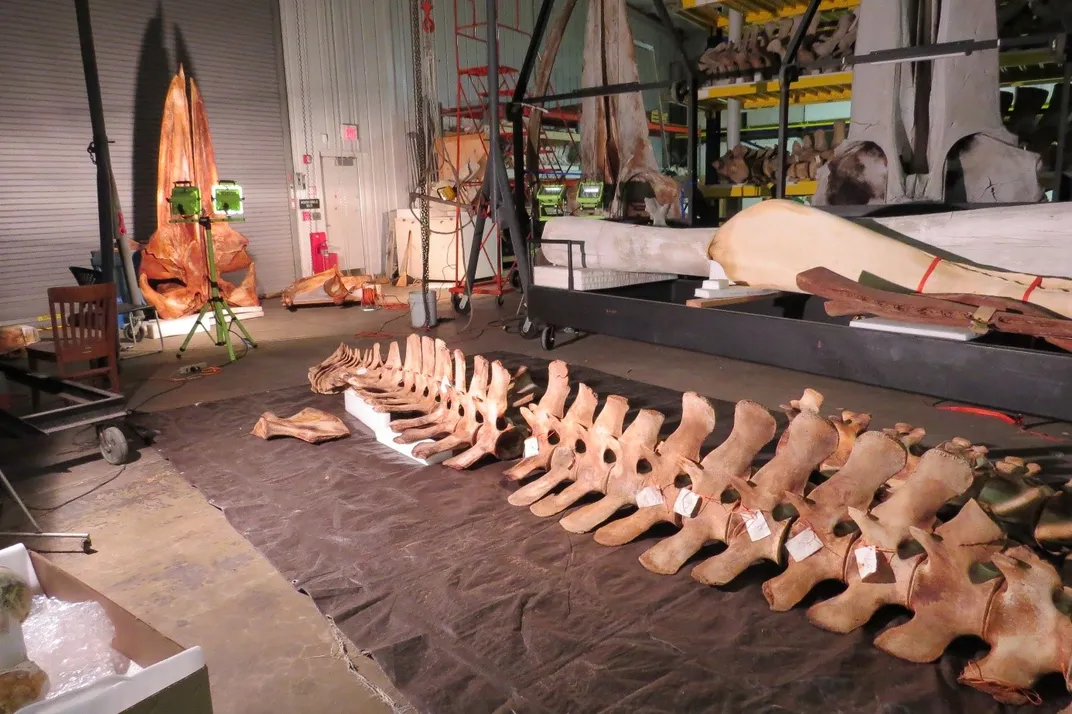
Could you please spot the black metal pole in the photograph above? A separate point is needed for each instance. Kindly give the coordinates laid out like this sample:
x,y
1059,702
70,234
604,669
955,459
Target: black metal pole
x,y
1060,187
694,147
516,114
788,74
664,15
105,207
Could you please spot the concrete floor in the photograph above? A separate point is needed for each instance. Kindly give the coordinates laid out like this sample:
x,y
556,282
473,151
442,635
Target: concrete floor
x,y
172,559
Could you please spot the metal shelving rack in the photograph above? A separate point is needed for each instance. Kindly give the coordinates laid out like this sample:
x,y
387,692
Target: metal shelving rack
x,y
790,332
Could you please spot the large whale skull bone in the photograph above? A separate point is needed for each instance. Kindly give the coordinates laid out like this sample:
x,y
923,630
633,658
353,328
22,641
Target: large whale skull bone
x,y
756,248
812,439
875,458
753,428
570,431
939,477
641,466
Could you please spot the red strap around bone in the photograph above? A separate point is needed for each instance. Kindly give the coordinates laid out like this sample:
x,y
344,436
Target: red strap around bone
x,y
930,269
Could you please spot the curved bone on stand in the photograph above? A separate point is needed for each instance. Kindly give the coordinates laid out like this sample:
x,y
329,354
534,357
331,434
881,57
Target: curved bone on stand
x,y
1028,635
753,428
468,423
571,430
911,438
641,466
311,425
945,600
939,477
875,458
541,419
495,435
446,415
327,376
592,468
754,248
812,440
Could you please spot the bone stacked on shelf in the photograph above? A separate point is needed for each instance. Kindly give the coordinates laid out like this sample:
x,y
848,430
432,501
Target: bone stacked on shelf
x,y
759,166
835,502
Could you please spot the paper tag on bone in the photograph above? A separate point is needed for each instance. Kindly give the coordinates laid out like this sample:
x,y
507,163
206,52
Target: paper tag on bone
x,y
755,524
649,497
532,447
361,371
687,503
867,561
444,385
803,544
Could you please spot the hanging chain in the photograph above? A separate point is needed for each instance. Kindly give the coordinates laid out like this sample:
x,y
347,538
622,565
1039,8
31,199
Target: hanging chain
x,y
416,12
306,136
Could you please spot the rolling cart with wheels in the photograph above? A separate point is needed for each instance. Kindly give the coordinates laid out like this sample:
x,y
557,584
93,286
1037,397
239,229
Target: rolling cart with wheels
x,y
85,406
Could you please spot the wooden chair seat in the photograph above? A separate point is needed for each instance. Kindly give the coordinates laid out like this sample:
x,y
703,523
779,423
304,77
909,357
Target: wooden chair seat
x,y
84,330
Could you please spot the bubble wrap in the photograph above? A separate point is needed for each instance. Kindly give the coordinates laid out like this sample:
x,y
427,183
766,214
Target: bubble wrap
x,y
71,642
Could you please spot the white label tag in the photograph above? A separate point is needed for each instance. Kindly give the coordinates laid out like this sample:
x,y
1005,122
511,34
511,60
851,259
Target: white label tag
x,y
867,560
756,524
649,497
444,385
361,371
687,503
803,544
531,447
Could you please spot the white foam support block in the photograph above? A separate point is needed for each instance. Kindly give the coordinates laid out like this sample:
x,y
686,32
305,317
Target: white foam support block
x,y
717,272
716,284
387,438
733,292
359,409
942,332
182,325
592,278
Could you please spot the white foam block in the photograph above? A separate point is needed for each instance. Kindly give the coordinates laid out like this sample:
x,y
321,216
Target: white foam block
x,y
716,284
182,325
716,271
733,292
592,278
942,332
387,438
361,410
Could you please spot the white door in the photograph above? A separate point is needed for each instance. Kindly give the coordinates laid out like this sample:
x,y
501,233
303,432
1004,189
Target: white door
x,y
342,212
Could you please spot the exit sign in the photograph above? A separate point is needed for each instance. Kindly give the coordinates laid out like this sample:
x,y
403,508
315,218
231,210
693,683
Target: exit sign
x,y
349,132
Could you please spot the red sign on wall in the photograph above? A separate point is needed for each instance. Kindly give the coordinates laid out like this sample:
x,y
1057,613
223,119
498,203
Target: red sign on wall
x,y
349,132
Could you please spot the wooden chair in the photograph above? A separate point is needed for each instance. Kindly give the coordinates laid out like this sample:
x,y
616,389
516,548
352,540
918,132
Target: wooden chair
x,y
84,327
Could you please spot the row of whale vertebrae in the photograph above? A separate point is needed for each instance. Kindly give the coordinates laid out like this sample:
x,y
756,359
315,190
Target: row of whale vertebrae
x,y
872,522
473,418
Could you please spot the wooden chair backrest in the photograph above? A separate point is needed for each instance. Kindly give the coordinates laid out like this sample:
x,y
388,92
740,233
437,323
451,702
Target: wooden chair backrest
x,y
84,322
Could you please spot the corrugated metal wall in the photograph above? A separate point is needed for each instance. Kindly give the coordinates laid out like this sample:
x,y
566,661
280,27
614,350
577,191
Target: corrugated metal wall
x,y
48,217
350,63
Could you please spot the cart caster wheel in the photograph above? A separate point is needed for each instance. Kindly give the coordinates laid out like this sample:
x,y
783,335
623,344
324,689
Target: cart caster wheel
x,y
113,445
461,303
529,329
500,300
547,339
515,280
87,546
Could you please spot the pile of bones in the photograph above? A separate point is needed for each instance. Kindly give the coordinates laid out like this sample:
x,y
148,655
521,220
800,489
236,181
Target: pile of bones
x,y
947,533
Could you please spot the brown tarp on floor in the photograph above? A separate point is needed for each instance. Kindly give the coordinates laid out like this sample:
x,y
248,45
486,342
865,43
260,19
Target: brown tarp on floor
x,y
473,605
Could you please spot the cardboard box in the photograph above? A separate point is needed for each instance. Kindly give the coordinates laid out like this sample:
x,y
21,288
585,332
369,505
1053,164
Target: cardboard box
x,y
167,678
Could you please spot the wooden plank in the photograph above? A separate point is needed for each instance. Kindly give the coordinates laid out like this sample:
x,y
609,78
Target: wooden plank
x,y
733,298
